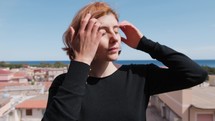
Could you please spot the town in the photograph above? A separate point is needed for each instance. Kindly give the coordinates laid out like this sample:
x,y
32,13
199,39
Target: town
x,y
24,95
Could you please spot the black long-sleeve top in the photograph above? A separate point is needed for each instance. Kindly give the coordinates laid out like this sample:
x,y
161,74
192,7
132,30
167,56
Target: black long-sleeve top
x,y
124,95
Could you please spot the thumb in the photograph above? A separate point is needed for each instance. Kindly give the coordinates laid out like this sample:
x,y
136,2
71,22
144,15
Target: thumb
x,y
124,40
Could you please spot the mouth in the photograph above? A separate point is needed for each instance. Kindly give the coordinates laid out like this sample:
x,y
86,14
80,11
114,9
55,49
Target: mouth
x,y
113,50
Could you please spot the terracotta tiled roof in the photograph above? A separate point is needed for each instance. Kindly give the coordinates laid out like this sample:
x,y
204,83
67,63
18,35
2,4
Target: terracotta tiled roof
x,y
38,102
5,72
19,75
32,104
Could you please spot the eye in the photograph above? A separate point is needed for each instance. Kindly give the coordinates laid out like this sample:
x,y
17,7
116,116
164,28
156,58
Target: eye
x,y
104,33
116,31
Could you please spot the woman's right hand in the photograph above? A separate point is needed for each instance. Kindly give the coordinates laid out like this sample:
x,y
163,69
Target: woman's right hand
x,y
86,42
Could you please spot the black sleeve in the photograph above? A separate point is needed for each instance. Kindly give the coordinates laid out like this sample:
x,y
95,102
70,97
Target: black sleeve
x,y
181,71
57,82
65,101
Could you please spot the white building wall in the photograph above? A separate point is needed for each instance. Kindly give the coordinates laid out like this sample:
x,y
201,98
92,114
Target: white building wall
x,y
4,108
37,115
5,77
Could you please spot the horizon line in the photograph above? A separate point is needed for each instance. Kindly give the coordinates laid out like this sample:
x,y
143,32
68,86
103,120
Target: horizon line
x,y
116,60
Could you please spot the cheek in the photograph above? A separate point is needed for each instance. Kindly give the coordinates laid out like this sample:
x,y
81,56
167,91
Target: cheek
x,y
119,37
103,42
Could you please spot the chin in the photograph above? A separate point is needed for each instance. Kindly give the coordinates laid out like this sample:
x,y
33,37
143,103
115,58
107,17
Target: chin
x,y
113,57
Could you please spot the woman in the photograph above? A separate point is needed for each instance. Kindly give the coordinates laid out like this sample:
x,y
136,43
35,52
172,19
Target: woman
x,y
95,88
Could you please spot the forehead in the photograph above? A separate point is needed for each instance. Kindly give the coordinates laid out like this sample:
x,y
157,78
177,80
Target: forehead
x,y
108,20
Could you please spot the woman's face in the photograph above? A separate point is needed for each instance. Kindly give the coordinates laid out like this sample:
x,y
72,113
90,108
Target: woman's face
x,y
110,42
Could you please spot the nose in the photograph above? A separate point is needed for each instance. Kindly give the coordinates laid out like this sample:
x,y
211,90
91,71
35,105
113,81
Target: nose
x,y
113,37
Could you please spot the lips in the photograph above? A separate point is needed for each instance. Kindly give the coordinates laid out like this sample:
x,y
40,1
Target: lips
x,y
113,50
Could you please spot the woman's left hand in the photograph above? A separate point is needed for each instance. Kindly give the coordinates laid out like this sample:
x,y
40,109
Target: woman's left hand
x,y
133,35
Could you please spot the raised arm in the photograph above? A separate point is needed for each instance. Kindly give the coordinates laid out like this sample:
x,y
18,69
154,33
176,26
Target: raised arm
x,y
65,99
181,73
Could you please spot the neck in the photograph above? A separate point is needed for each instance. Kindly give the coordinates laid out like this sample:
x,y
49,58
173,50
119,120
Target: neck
x,y
103,69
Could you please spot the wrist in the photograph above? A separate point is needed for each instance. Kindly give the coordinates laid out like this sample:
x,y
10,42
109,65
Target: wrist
x,y
83,60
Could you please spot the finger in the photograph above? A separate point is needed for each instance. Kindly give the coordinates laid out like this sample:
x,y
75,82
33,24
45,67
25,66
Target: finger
x,y
100,33
125,31
123,39
123,24
72,32
91,24
95,28
84,22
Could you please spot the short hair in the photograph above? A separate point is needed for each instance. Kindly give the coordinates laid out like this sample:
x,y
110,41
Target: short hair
x,y
96,9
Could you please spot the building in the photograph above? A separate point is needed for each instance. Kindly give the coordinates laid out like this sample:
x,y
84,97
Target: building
x,y
13,76
48,74
26,90
20,77
203,104
212,80
32,109
5,75
18,94
5,103
52,73
194,104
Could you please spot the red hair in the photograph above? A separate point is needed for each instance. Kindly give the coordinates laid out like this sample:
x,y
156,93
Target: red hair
x,y
96,9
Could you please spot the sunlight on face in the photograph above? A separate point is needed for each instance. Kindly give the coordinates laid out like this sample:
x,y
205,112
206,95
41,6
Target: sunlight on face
x,y
109,46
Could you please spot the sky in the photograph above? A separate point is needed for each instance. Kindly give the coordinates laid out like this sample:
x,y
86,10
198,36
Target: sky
x,y
33,29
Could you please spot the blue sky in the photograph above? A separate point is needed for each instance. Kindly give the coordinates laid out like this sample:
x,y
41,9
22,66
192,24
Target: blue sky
x,y
32,29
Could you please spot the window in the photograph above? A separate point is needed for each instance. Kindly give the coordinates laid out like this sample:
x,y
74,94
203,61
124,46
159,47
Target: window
x,y
29,112
11,113
205,117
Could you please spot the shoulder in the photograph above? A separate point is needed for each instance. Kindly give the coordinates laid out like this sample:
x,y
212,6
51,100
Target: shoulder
x,y
58,80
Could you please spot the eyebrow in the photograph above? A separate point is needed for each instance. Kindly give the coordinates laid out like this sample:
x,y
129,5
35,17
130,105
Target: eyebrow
x,y
106,27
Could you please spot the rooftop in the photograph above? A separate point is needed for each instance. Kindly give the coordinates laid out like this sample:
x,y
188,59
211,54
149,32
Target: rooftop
x,y
19,75
38,102
203,97
5,72
4,100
